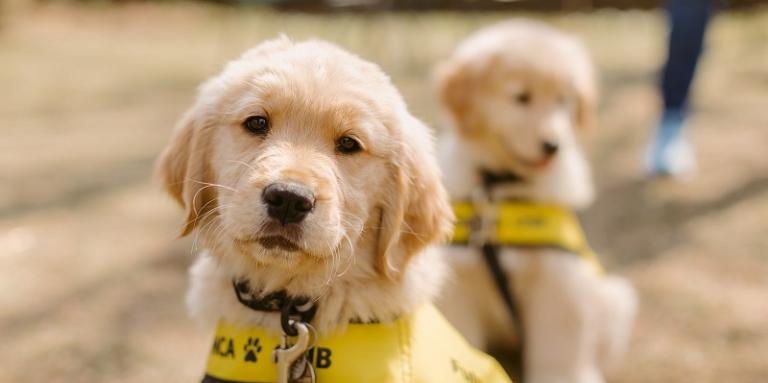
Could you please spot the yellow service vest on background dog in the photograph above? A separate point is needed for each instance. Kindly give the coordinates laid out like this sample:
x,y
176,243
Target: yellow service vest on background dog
x,y
419,348
528,225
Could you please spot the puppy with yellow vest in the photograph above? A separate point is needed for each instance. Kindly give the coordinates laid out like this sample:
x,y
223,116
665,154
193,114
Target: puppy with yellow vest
x,y
527,283
317,200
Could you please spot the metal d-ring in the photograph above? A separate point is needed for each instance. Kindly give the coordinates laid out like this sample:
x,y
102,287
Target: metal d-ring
x,y
299,311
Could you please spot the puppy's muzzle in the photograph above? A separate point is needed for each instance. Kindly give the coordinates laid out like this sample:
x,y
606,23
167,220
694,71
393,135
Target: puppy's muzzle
x,y
288,202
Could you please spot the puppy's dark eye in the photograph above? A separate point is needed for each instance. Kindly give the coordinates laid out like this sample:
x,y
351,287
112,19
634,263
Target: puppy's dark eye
x,y
523,98
347,145
258,125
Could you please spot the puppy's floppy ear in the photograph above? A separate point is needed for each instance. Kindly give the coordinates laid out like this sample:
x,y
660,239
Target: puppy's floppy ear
x,y
586,94
417,212
185,171
453,83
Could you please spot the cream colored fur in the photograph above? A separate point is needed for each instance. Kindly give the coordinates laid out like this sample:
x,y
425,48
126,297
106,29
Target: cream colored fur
x,y
507,89
365,247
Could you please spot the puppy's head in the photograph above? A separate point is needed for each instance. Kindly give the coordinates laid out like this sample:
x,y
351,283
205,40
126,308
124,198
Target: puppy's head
x,y
518,90
296,154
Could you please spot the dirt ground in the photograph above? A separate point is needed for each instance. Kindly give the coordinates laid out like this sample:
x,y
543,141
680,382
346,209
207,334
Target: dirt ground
x,y
92,278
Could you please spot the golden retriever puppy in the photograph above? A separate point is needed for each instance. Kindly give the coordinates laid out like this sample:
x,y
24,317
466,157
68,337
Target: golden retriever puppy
x,y
517,94
316,196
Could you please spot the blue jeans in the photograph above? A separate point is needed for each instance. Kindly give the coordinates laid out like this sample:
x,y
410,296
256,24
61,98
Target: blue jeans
x,y
688,20
669,152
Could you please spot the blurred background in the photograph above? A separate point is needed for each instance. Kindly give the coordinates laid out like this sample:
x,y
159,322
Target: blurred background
x,y
92,278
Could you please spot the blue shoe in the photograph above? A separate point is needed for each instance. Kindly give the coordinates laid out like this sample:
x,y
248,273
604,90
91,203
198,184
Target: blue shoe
x,y
670,153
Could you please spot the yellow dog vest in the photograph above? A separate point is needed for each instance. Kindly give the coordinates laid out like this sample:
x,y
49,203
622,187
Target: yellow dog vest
x,y
523,224
419,348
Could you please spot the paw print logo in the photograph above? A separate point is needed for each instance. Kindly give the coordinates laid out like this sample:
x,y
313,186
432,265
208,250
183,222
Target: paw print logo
x,y
251,349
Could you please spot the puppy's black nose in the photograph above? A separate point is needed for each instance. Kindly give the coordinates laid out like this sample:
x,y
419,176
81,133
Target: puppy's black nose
x,y
288,203
549,148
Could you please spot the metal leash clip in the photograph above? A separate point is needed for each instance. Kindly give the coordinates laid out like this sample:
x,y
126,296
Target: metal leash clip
x,y
292,363
293,366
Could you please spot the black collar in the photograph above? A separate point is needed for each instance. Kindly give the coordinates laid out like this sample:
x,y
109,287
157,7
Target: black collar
x,y
290,308
492,179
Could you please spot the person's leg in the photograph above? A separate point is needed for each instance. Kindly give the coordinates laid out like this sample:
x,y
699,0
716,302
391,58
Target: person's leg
x,y
670,152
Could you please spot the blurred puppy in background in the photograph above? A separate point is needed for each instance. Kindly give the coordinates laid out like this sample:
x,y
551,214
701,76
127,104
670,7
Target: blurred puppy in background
x,y
517,94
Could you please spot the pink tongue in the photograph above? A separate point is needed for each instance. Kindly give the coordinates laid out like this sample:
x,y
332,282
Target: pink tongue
x,y
542,163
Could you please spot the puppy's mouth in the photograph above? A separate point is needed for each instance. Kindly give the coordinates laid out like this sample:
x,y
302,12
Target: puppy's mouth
x,y
519,162
539,164
270,242
273,236
279,242
528,166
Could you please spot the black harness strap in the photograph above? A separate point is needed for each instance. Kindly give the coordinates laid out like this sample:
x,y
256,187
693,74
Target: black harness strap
x,y
501,279
503,283
491,252
212,379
